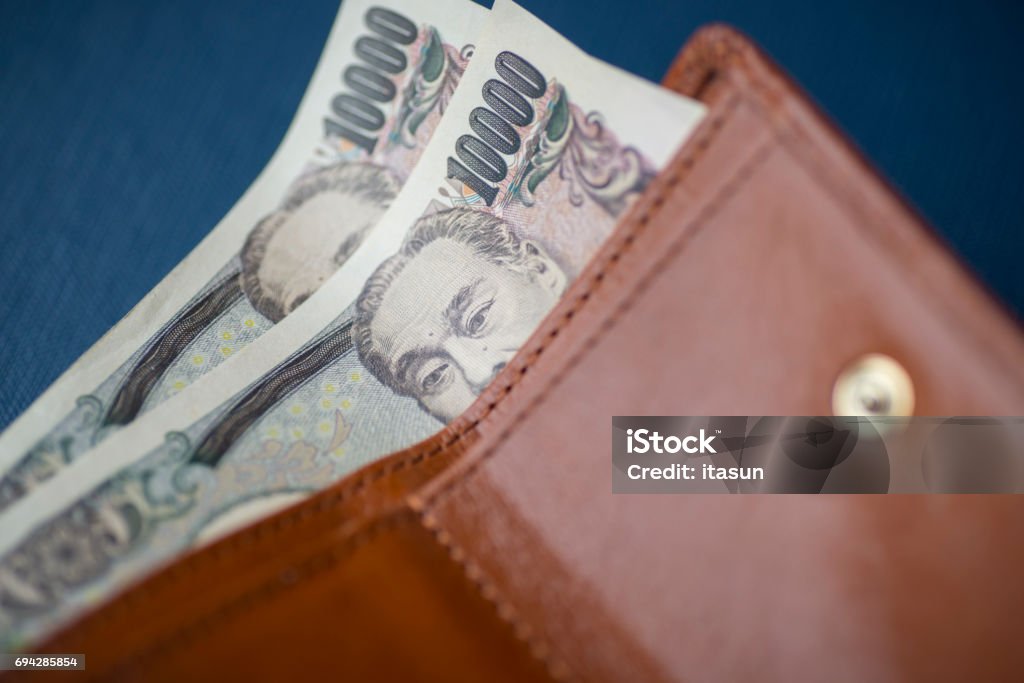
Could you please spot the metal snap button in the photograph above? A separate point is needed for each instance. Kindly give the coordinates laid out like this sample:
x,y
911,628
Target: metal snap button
x,y
873,385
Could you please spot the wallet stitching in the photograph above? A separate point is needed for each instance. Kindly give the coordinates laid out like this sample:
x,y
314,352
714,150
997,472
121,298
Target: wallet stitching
x,y
724,194
174,573
557,668
458,555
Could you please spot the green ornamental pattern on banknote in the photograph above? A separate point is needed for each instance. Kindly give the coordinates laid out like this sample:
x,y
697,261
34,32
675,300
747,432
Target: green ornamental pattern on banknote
x,y
518,188
385,108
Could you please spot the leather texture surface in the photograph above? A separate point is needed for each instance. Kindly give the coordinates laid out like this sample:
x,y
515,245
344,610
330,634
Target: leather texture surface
x,y
761,262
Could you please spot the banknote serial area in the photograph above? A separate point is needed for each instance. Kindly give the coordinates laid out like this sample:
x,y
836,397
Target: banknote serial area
x,y
360,432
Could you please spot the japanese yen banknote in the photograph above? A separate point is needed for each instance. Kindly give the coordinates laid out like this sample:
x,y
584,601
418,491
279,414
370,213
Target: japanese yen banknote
x,y
540,151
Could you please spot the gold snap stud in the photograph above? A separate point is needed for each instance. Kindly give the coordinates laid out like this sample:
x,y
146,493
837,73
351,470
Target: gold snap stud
x,y
874,385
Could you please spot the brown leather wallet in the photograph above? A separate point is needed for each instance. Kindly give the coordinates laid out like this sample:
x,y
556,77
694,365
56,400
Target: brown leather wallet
x,y
765,259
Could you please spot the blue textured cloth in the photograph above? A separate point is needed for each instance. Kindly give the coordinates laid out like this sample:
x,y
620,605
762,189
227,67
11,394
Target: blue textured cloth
x,y
128,129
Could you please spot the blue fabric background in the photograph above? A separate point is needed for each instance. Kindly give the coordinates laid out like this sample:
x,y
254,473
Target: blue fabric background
x,y
127,129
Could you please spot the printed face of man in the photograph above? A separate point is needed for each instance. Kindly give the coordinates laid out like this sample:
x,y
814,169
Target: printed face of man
x,y
452,319
316,239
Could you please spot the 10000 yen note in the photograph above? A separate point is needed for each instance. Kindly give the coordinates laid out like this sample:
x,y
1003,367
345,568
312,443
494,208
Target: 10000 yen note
x,y
540,152
382,84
